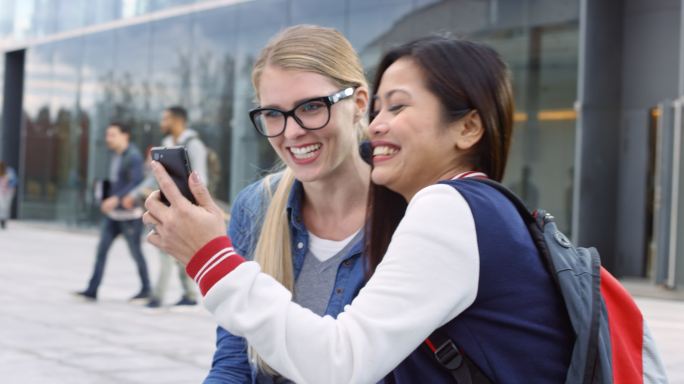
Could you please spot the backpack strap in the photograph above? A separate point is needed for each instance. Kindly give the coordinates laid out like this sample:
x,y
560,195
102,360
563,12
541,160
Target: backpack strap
x,y
519,205
449,356
185,142
534,222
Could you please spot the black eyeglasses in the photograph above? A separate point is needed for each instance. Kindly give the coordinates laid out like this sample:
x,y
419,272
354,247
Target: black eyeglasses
x,y
310,114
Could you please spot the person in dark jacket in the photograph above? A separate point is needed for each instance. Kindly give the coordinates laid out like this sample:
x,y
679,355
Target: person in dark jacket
x,y
125,172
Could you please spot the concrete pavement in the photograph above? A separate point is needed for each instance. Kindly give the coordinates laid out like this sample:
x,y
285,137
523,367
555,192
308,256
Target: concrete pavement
x,y
49,336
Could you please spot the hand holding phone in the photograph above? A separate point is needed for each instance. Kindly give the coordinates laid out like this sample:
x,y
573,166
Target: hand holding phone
x,y
175,161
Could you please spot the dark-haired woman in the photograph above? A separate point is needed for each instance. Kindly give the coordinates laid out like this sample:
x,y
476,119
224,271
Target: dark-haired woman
x,y
445,251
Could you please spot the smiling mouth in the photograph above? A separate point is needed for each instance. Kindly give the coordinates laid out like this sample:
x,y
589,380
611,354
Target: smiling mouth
x,y
384,150
306,152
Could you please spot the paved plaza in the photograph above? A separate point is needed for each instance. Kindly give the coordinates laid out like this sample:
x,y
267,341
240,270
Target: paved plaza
x,y
49,336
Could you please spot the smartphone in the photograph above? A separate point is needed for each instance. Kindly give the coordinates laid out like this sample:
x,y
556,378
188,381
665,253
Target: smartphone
x,y
175,161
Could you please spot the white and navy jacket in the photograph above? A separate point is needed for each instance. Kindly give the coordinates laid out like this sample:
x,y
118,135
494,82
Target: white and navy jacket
x,y
460,256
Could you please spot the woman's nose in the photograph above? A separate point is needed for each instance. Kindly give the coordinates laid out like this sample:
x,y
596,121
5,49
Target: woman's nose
x,y
292,128
377,127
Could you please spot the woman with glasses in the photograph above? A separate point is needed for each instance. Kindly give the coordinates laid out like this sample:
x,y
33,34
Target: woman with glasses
x,y
446,252
303,224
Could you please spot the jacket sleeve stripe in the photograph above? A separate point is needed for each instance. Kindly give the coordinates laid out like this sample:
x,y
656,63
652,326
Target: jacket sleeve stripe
x,y
216,260
212,262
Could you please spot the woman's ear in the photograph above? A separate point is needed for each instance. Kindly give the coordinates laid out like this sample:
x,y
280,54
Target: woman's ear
x,y
468,130
360,103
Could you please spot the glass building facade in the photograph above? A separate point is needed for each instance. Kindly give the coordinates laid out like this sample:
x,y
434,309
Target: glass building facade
x,y
147,55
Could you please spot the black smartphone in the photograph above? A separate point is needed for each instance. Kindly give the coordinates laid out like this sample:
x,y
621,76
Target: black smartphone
x,y
175,161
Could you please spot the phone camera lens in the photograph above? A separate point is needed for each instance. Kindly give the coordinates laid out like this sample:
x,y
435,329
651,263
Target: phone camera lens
x,y
156,156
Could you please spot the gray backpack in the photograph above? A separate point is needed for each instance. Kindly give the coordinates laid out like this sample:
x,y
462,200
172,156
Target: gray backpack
x,y
612,344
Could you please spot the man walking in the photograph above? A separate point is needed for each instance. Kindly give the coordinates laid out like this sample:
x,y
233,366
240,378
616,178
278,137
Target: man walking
x,y
126,171
174,125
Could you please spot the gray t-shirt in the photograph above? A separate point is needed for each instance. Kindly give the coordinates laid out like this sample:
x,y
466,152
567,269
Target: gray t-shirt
x,y
316,279
314,286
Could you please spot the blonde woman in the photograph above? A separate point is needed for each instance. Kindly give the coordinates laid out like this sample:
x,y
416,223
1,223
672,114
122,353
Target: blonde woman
x,y
303,225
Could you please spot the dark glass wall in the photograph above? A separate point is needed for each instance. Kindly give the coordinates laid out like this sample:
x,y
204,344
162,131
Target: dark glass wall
x,y
40,143
21,19
203,61
212,85
2,86
96,106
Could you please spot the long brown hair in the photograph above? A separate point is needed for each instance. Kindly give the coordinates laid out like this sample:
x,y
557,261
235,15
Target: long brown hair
x,y
464,76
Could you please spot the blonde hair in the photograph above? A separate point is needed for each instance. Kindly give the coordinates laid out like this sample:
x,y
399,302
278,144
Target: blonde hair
x,y
306,48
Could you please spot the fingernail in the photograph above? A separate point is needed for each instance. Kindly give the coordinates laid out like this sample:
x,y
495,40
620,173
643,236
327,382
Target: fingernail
x,y
195,178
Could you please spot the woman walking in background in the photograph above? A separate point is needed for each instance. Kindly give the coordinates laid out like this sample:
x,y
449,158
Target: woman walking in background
x,y
8,187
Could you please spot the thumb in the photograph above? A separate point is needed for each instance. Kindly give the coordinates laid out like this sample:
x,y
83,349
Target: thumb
x,y
200,191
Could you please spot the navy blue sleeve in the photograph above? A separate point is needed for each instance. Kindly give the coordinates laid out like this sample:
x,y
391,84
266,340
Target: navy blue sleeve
x,y
230,363
135,173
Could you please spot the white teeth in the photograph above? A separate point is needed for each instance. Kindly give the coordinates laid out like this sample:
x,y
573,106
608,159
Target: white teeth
x,y
305,152
384,151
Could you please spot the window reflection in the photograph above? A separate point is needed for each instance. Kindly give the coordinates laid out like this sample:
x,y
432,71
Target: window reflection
x,y
39,185
332,14
213,85
132,82
203,61
251,154
170,72
540,46
97,94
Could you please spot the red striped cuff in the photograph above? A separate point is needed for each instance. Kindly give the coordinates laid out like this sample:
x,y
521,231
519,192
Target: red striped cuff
x,y
212,262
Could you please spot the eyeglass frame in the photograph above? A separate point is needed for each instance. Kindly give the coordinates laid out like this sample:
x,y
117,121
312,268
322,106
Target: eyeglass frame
x,y
329,101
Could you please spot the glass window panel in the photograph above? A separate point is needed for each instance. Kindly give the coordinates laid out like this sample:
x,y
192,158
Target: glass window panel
x,y
371,21
132,84
102,11
23,19
171,63
44,23
39,195
333,14
156,5
539,41
71,14
251,154
139,7
2,86
97,95
6,18
71,149
213,85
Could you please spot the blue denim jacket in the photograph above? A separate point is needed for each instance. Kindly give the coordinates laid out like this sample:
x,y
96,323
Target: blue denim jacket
x,y
230,363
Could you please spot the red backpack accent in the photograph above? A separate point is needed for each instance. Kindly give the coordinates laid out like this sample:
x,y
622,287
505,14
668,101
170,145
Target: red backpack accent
x,y
626,330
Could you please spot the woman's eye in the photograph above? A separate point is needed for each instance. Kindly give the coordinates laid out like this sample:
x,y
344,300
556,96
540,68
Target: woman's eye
x,y
395,108
311,107
271,114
